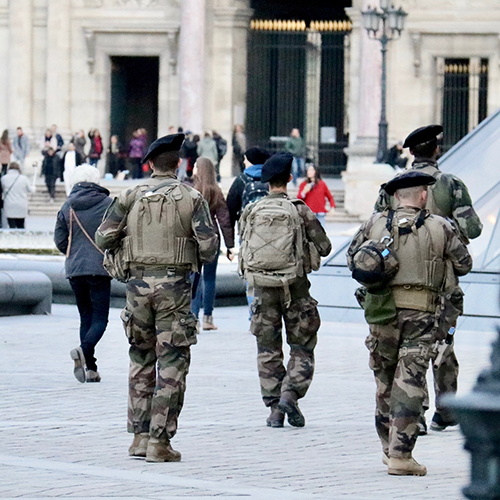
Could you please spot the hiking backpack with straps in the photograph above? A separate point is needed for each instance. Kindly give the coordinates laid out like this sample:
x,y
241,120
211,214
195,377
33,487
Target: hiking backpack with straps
x,y
272,247
253,191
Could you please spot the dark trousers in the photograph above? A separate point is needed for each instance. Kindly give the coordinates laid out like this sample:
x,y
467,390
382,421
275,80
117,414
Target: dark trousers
x,y
50,182
15,223
4,168
92,299
137,172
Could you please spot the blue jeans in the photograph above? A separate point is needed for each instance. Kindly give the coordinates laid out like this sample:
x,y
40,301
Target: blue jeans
x,y
298,168
92,299
322,218
205,293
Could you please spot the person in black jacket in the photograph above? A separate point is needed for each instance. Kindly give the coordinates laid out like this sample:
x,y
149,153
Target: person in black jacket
x,y
51,169
77,222
247,187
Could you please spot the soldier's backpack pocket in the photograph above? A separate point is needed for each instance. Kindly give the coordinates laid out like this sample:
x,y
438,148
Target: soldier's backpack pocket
x,y
380,307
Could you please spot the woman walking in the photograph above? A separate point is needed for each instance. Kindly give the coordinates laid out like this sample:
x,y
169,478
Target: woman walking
x,y
5,150
77,222
95,147
15,189
205,182
315,192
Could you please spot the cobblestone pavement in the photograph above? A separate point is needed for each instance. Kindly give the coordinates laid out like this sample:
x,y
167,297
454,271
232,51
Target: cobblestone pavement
x,y
63,439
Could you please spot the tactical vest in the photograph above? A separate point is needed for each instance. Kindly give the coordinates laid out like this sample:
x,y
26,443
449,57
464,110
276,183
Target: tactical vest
x,y
159,231
419,242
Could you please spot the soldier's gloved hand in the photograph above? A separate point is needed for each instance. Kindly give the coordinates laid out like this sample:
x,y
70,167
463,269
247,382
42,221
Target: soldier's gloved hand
x,y
230,254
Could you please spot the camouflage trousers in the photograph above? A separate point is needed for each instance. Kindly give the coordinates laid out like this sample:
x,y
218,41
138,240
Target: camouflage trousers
x,y
160,328
302,323
445,382
399,358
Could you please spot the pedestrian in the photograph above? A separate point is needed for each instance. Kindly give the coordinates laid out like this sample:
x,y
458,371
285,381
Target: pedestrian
x,y
79,141
21,147
208,148
221,151
15,189
76,224
315,192
395,157
70,161
248,186
5,150
115,160
239,143
136,150
449,198
190,147
162,251
51,169
296,146
400,307
57,137
96,147
205,182
281,242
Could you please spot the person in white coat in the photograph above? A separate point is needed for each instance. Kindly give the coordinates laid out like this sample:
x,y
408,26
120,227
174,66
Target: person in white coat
x,y
15,189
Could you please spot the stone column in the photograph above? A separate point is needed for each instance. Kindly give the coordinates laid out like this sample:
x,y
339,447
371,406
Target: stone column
x,y
313,84
191,64
363,177
20,65
58,93
228,90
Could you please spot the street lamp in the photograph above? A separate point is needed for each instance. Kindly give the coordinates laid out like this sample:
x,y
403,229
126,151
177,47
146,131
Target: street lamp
x,y
384,24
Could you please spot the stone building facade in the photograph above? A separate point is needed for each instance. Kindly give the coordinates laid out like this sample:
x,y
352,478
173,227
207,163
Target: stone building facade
x,y
58,60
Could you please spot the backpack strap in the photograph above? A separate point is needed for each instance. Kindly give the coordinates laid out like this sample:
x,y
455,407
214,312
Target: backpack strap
x,y
72,215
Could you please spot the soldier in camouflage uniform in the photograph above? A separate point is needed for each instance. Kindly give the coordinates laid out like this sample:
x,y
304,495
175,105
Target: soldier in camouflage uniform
x,y
448,198
282,387
157,318
401,345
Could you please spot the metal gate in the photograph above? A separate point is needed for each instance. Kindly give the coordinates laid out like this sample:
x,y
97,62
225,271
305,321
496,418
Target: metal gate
x,y
296,80
463,89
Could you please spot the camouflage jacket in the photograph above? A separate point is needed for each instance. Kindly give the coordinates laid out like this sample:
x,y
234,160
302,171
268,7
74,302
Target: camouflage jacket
x,y
454,251
314,231
114,225
449,198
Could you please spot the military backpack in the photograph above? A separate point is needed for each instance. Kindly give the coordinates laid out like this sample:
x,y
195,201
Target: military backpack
x,y
272,244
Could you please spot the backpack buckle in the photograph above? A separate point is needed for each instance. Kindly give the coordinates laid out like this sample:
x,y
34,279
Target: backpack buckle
x,y
391,240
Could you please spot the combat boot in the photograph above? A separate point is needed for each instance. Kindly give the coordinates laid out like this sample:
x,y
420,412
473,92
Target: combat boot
x,y
139,445
161,451
405,467
438,423
208,323
276,418
79,358
288,404
93,376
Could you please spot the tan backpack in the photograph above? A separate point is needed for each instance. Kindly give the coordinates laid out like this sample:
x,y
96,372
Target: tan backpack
x,y
272,244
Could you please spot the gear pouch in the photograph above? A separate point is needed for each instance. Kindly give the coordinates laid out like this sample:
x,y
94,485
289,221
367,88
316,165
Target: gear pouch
x,y
380,307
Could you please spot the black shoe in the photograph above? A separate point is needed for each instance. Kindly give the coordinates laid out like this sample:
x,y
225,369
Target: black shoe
x,y
276,418
439,424
288,404
422,427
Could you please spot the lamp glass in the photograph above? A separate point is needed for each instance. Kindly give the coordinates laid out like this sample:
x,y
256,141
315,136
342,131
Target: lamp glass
x,y
401,19
393,15
384,4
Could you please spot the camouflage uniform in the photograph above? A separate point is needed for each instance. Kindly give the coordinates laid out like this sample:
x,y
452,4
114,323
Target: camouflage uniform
x,y
302,323
400,350
451,199
157,319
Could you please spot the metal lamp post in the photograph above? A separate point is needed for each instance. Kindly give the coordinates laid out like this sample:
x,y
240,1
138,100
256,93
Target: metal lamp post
x,y
384,24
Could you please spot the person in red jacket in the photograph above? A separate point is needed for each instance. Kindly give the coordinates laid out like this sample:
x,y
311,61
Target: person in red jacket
x,y
315,192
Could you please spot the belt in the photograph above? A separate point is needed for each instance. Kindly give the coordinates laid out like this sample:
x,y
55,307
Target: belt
x,y
167,272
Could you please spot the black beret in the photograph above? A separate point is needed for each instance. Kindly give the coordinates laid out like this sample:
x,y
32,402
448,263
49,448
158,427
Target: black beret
x,y
256,155
277,164
422,134
171,142
409,178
